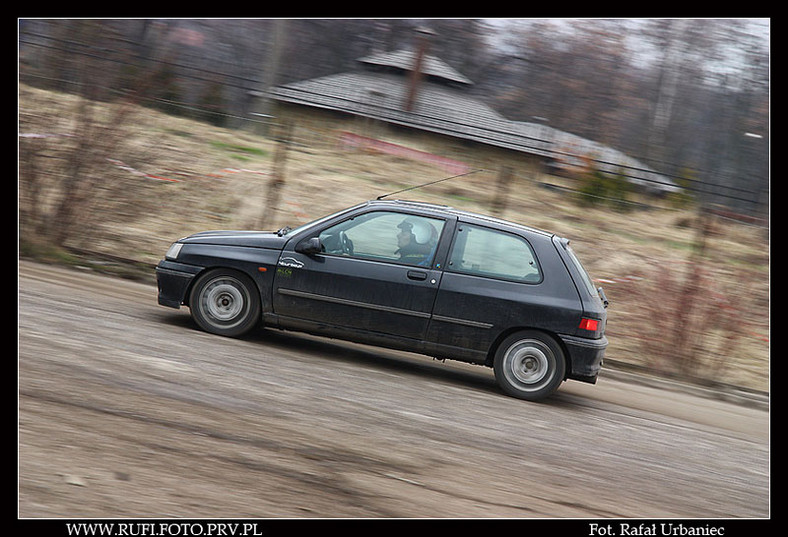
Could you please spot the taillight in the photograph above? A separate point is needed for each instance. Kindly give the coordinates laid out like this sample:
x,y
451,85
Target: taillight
x,y
589,324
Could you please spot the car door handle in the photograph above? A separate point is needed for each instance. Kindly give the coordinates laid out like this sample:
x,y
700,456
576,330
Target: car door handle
x,y
417,275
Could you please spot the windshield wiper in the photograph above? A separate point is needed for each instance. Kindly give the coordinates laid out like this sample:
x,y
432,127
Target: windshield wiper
x,y
283,231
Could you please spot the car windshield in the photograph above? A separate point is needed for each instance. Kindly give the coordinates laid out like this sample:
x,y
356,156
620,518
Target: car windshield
x,y
287,230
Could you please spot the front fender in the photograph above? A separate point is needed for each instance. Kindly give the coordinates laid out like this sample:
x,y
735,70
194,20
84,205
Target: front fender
x,y
173,281
257,263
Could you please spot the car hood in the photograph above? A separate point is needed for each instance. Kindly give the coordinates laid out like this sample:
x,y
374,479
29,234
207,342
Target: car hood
x,y
252,239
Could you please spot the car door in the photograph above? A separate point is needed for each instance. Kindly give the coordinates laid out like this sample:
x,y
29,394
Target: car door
x,y
364,278
493,281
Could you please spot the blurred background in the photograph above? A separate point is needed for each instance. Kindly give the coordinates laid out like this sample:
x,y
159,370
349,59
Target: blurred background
x,y
645,141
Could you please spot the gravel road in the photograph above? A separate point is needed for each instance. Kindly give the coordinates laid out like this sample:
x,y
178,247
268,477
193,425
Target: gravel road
x,y
126,409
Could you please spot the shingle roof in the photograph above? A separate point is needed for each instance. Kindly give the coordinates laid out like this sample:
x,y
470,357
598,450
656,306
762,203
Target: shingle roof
x,y
405,59
449,110
438,109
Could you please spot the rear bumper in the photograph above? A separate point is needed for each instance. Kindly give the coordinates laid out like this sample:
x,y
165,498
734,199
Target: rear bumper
x,y
585,357
173,280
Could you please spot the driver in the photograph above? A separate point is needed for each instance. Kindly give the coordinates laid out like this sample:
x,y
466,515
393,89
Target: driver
x,y
416,241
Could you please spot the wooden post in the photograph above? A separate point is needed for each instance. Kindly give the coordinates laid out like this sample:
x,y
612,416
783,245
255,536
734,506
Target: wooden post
x,y
685,322
277,181
502,191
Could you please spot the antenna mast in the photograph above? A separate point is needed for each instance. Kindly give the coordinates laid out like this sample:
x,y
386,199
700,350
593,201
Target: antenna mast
x,y
428,184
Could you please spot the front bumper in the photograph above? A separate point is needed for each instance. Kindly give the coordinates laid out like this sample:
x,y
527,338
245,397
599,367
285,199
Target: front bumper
x,y
173,280
585,357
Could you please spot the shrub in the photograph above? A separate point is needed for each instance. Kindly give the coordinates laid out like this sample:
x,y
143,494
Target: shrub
x,y
600,188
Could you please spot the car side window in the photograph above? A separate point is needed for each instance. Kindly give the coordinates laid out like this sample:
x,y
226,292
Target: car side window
x,y
486,252
385,236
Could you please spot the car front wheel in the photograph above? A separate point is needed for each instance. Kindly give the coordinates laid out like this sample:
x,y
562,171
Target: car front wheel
x,y
529,365
225,302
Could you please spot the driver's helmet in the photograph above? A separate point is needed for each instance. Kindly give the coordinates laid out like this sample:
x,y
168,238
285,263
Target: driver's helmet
x,y
423,232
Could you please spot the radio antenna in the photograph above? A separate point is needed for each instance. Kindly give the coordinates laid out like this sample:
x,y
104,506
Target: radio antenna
x,y
428,184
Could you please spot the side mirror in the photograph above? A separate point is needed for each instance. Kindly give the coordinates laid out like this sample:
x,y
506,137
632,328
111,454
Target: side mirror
x,y
309,246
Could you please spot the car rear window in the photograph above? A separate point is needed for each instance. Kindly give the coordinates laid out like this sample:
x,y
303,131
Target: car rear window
x,y
583,273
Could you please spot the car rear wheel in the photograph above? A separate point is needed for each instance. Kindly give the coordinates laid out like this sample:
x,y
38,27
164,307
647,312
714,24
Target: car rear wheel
x,y
225,302
529,365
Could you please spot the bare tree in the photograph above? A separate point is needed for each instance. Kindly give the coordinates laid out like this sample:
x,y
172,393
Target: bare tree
x,y
96,131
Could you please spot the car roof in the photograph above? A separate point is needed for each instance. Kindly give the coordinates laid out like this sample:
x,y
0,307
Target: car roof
x,y
462,215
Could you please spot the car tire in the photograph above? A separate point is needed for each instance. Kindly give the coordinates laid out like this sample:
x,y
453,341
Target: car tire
x,y
225,302
529,365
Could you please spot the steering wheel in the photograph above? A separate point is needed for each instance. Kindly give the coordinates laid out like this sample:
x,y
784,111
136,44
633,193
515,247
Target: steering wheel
x,y
345,243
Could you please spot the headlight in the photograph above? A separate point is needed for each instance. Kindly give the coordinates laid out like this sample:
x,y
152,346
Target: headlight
x,y
174,250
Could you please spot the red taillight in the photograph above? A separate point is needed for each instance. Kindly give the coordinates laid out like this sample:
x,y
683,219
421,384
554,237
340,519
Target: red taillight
x,y
589,324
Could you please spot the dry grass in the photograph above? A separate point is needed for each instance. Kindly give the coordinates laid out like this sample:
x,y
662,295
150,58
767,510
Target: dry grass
x,y
219,179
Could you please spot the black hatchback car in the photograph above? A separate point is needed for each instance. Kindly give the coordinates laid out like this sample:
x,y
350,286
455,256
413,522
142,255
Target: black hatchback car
x,y
406,275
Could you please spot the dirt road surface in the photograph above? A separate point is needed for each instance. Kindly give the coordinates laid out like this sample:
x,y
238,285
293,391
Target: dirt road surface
x,y
126,409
